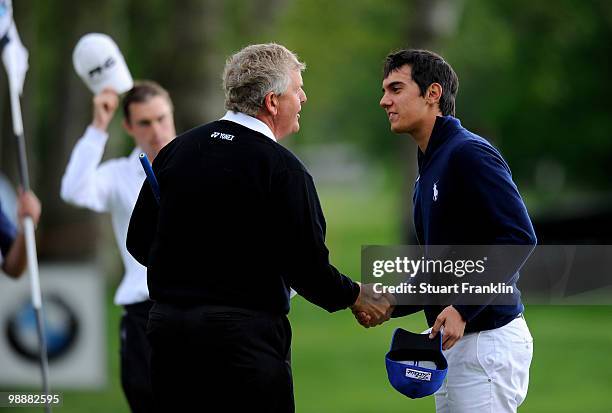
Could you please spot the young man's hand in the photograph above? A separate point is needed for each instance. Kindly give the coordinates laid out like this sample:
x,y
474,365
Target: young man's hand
x,y
372,309
454,326
105,104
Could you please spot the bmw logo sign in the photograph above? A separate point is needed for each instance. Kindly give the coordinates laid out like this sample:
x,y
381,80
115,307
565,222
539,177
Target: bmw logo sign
x,y
61,328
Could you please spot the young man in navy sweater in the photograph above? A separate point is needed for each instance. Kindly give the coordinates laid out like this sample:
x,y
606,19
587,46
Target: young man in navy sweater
x,y
464,195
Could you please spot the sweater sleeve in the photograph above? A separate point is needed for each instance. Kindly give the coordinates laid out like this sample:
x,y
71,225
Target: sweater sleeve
x,y
487,181
304,256
8,233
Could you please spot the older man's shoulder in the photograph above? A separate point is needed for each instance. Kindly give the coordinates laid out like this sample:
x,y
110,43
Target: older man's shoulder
x,y
288,160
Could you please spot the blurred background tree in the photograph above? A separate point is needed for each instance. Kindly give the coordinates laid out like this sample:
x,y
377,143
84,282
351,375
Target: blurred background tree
x,y
532,80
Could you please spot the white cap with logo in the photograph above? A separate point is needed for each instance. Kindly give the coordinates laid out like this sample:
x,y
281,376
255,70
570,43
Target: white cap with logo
x,y
99,62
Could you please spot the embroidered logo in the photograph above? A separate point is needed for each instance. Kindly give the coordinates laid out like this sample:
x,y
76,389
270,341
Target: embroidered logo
x,y
418,375
435,191
224,136
108,63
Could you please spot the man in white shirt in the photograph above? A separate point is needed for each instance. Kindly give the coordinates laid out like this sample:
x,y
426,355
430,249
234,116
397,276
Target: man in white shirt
x,y
113,186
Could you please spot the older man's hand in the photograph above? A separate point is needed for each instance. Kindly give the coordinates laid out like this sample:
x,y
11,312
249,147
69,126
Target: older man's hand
x,y
371,308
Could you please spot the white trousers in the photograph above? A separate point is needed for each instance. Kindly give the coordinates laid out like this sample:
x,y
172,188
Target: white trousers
x,y
488,371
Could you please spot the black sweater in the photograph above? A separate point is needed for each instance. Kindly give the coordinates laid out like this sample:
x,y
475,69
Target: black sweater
x,y
239,223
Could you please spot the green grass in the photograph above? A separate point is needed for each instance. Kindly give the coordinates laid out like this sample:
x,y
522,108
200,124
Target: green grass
x,y
111,398
339,367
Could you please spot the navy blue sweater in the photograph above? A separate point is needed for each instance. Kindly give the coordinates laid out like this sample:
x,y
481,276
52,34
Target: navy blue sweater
x,y
8,233
465,196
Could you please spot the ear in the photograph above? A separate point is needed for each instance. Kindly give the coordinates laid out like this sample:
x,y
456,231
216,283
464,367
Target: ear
x,y
271,103
434,93
127,126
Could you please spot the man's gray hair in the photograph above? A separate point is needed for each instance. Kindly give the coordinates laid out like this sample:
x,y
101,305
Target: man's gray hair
x,y
255,71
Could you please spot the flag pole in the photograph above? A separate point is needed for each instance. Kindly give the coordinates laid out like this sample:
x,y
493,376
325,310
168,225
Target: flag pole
x,y
28,228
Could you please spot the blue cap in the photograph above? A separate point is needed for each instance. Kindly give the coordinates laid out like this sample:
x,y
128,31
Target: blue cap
x,y
408,350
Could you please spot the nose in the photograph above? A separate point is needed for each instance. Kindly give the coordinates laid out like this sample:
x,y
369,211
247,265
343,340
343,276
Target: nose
x,y
303,98
385,102
157,129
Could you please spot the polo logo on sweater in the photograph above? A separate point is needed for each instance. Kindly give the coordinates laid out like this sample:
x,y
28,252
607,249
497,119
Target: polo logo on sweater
x,y
435,191
418,375
224,136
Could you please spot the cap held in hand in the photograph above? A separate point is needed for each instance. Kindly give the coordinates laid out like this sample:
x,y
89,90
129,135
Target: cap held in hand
x,y
416,366
99,62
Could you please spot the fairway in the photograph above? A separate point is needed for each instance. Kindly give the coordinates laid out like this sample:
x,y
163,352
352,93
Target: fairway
x,y
339,367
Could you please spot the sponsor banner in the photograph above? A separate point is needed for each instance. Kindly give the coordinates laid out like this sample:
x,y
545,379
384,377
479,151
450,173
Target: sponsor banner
x,y
74,316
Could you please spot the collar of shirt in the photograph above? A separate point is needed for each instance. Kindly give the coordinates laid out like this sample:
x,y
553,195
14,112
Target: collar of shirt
x,y
249,122
135,161
444,128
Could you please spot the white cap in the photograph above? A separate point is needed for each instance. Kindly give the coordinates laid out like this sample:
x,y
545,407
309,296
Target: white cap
x,y
99,62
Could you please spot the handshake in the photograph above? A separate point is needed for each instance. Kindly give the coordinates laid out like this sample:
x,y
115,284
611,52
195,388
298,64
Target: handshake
x,y
371,309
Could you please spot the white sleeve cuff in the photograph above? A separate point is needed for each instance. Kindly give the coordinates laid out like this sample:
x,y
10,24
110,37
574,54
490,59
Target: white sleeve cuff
x,y
95,135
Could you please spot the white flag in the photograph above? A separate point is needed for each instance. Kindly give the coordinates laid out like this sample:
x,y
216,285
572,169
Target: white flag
x,y
6,16
15,59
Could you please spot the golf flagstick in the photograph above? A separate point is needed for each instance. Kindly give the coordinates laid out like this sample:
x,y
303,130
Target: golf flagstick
x,y
146,165
28,223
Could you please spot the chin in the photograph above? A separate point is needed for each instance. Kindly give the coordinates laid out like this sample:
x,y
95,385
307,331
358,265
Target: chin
x,y
293,130
158,147
398,129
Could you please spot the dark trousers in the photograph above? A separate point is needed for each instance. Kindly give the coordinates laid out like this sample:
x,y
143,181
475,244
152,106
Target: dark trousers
x,y
219,359
136,357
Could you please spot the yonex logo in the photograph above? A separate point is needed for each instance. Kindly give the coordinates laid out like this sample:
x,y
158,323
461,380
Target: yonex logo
x,y
418,375
224,136
435,191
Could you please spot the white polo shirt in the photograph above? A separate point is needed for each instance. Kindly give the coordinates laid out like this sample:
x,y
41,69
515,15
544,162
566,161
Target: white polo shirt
x,y
249,122
111,186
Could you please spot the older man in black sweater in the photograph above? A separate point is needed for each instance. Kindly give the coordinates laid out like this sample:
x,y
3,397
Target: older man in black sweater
x,y
239,224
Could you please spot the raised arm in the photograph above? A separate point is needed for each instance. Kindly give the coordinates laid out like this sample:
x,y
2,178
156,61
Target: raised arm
x,y
86,182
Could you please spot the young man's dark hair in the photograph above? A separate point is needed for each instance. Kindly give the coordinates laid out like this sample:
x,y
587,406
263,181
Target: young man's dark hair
x,y
427,68
142,91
